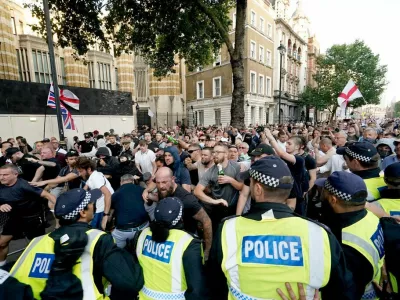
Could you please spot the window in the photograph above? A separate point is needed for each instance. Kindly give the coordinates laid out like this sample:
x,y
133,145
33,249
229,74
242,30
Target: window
x,y
234,21
23,65
260,90
269,30
21,27
253,50
92,81
262,25
199,69
268,87
253,115
217,59
63,76
13,26
253,18
41,66
217,113
200,89
217,87
268,58
116,80
201,117
252,82
261,54
104,75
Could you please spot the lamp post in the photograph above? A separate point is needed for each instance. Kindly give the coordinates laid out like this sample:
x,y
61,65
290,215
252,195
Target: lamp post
x,y
282,51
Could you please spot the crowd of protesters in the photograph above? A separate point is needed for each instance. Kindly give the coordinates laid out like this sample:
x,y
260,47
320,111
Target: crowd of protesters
x,y
203,167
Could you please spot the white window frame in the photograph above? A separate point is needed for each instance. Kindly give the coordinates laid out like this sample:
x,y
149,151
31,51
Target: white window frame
x,y
198,91
220,86
269,30
262,24
255,82
253,21
215,116
254,56
201,116
268,58
261,54
268,86
234,21
260,90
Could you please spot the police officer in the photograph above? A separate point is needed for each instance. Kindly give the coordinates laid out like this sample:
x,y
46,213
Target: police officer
x,y
362,159
50,258
390,201
171,259
343,210
259,252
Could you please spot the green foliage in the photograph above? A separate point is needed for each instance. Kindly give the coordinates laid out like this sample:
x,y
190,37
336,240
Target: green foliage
x,y
337,66
160,30
397,110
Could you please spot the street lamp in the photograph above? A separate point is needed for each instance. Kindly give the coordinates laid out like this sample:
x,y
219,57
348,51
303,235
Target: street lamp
x,y
282,51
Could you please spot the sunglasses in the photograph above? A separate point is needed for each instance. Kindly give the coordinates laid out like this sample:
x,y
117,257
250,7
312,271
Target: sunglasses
x,y
191,151
201,140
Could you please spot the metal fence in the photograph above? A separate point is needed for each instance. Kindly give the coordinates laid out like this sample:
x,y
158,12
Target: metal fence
x,y
162,119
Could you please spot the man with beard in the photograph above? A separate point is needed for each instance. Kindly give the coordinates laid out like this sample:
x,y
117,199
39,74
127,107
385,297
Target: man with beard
x,y
192,210
393,158
223,185
203,164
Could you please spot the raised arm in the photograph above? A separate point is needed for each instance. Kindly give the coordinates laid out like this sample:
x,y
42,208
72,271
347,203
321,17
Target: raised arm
x,y
282,154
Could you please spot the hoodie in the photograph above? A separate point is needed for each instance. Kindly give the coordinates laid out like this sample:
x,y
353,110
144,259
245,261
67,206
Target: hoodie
x,y
181,173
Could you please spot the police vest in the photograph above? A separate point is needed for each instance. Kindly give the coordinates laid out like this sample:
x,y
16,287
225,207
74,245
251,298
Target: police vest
x,y
162,265
390,206
366,236
374,187
260,256
34,265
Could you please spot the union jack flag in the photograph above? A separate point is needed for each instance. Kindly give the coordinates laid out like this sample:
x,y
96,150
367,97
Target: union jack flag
x,y
66,115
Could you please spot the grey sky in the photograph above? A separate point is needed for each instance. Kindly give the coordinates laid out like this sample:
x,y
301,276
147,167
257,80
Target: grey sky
x,y
343,21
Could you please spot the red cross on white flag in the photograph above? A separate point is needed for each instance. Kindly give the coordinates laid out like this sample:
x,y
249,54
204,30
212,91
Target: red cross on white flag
x,y
349,93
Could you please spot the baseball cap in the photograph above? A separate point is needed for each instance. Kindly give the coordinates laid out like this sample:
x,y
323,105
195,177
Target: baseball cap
x,y
263,149
344,185
169,210
269,171
393,170
87,135
70,203
362,151
71,153
46,140
11,151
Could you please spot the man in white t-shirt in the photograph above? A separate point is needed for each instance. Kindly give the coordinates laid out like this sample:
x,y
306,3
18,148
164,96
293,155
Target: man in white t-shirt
x,y
145,159
281,140
96,180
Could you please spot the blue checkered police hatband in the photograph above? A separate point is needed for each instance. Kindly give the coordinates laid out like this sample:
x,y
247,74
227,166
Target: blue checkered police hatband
x,y
336,192
357,156
81,207
264,179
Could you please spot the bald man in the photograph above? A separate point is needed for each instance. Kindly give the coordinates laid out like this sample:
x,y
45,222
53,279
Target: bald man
x,y
326,146
193,211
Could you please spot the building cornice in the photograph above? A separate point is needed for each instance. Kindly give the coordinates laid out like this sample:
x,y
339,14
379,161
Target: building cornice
x,y
284,23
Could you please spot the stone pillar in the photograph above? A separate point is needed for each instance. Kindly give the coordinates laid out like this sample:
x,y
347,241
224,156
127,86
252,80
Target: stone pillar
x,y
8,54
126,80
76,72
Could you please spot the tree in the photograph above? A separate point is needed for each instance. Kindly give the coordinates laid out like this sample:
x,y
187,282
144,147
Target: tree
x,y
336,67
159,30
397,110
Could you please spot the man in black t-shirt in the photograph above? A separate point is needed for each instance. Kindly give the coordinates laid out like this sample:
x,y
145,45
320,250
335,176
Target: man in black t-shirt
x,y
26,168
87,145
193,211
19,200
114,146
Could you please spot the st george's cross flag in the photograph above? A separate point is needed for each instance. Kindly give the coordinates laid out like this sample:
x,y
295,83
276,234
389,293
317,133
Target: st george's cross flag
x,y
349,93
68,121
67,97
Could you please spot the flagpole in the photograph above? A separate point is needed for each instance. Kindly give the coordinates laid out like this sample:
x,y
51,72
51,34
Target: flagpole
x,y
53,69
44,123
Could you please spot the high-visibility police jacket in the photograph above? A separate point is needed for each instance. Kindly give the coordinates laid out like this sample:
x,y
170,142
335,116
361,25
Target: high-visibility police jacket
x,y
374,187
164,277
260,256
34,265
366,236
390,206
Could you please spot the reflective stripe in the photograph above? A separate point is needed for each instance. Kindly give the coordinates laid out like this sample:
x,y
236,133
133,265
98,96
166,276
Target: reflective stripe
x,y
161,295
239,295
369,293
231,264
139,245
21,260
351,238
176,264
87,280
315,257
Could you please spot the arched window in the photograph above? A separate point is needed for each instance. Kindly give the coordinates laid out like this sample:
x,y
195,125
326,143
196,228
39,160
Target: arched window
x,y
289,47
294,50
299,53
